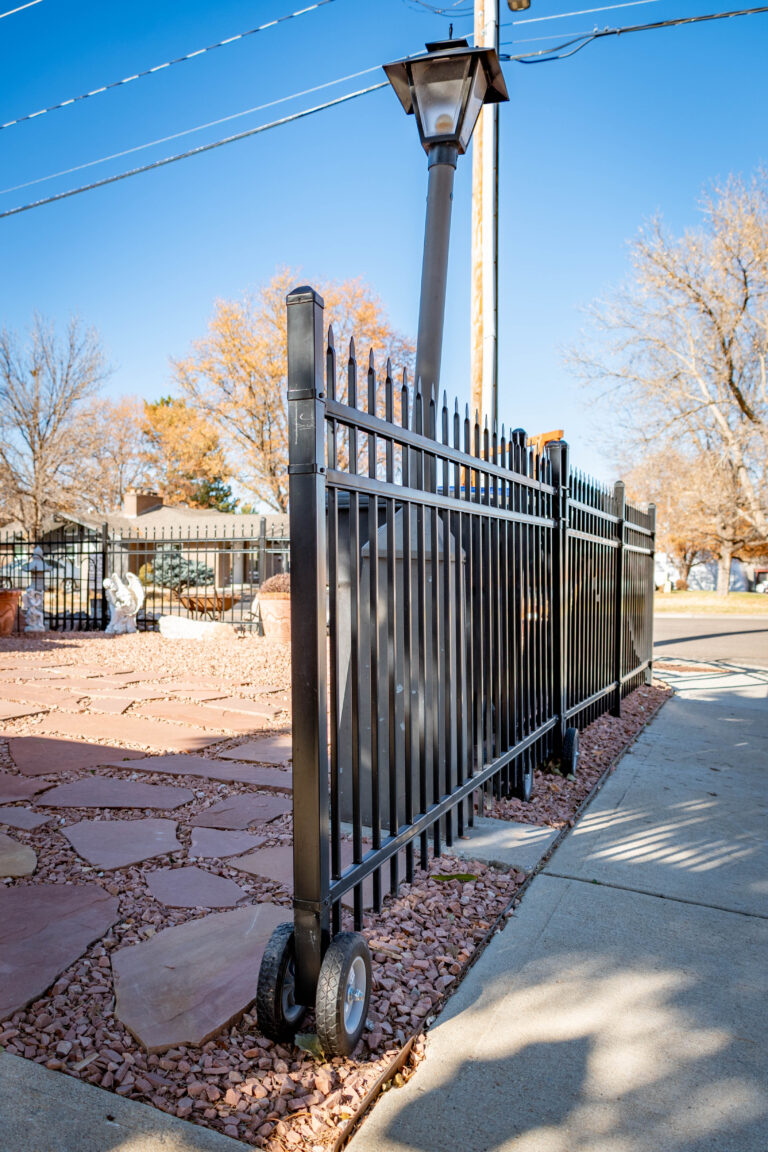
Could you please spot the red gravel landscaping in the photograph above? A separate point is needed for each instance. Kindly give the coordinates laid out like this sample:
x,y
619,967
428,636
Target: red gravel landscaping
x,y
272,1097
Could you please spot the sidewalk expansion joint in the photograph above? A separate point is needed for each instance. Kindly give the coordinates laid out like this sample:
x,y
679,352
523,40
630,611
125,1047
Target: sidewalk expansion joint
x,y
657,895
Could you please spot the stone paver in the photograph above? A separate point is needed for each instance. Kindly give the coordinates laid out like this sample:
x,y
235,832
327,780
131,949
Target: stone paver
x,y
40,694
44,929
183,986
274,863
44,755
17,788
269,750
102,792
131,729
16,859
111,704
213,843
201,695
192,682
79,685
23,818
242,811
206,716
30,671
247,707
11,711
193,888
131,693
117,843
179,764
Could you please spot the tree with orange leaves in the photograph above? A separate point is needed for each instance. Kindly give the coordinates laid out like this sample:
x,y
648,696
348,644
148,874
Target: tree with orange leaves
x,y
236,377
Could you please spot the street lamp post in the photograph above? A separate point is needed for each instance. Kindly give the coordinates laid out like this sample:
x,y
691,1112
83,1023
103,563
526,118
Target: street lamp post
x,y
445,88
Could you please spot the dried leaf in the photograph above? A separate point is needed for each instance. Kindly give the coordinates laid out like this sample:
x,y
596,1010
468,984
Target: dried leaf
x,y
309,1042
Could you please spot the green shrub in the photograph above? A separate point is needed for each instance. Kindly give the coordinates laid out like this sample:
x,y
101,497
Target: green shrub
x,y
172,570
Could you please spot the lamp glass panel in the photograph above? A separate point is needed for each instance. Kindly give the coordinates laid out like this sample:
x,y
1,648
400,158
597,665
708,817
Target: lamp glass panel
x,y
474,104
439,90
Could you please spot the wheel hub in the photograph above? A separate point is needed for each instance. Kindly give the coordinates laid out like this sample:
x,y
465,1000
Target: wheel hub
x,y
354,996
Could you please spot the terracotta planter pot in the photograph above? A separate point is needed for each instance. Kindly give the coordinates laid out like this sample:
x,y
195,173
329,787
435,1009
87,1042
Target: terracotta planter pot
x,y
9,611
276,615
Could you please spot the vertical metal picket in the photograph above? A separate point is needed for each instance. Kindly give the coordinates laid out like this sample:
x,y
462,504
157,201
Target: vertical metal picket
x,y
306,438
618,631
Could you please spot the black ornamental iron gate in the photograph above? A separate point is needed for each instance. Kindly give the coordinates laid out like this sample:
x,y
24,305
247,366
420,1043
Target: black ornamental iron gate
x,y
460,606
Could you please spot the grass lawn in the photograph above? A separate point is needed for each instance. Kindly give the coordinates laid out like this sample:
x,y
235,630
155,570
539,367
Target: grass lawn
x,y
709,603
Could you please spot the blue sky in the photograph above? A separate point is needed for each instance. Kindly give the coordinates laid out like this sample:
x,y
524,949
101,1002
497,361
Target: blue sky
x,y
590,147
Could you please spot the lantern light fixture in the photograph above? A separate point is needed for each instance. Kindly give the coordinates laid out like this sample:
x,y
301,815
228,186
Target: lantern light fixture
x,y
446,87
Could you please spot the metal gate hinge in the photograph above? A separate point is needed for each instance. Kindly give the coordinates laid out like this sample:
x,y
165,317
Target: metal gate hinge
x,y
315,906
306,394
306,469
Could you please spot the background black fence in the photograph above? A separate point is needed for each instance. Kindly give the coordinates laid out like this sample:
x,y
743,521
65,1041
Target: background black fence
x,y
459,602
214,575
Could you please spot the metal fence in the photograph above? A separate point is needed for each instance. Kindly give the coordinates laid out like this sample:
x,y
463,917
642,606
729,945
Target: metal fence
x,y
211,576
460,606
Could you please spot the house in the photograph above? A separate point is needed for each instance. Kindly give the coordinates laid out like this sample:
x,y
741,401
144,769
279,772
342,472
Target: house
x,y
171,548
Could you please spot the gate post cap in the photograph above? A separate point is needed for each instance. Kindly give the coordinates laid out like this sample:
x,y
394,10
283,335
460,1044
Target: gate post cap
x,y
303,294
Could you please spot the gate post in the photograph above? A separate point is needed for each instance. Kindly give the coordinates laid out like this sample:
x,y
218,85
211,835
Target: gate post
x,y
618,600
100,597
650,593
306,469
558,455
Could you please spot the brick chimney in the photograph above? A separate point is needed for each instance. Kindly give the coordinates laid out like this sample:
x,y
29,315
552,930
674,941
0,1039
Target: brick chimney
x,y
137,501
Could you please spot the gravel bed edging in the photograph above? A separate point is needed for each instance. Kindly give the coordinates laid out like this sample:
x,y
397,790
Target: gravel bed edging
x,y
412,1053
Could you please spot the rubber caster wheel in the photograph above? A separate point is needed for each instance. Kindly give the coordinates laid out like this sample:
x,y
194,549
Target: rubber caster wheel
x,y
522,786
279,1016
570,757
343,994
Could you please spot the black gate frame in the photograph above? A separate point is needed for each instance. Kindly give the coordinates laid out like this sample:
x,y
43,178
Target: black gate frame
x,y
546,622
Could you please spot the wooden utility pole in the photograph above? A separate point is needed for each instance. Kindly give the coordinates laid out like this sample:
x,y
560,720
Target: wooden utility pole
x,y
485,234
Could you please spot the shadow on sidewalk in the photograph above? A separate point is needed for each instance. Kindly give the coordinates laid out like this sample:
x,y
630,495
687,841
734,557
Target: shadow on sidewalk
x,y
597,1056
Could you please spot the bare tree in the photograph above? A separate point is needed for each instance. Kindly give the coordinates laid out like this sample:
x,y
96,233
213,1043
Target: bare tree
x,y
682,353
697,509
113,456
44,387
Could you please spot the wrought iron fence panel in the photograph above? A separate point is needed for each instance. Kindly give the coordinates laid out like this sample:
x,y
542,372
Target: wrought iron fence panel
x,y
457,601
213,575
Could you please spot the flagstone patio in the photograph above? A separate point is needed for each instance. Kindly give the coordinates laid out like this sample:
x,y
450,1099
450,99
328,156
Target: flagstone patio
x,y
135,900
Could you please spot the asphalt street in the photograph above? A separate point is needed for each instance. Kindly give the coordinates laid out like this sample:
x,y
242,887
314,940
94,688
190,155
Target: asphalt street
x,y
741,640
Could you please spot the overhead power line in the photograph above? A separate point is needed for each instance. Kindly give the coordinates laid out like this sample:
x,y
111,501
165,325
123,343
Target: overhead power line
x,y
544,55
580,12
166,64
189,131
529,58
196,151
21,8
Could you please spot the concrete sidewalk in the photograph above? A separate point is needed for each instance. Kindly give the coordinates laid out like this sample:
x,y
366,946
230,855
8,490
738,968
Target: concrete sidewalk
x,y
624,1007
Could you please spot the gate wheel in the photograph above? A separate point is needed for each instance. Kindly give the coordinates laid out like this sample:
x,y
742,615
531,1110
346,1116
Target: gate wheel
x,y
278,1014
570,751
343,994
